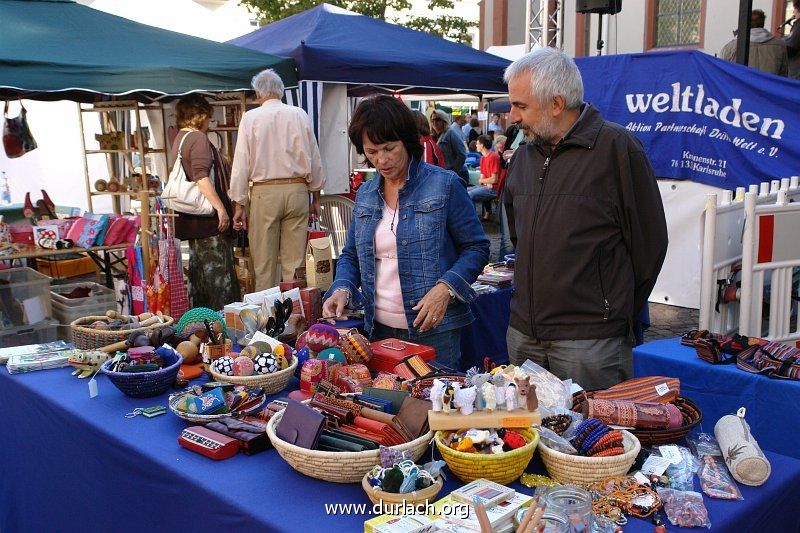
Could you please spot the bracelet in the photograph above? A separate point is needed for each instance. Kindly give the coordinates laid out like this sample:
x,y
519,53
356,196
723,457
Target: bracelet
x,y
345,290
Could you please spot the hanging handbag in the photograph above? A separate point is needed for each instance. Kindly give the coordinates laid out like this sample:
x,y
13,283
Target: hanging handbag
x,y
182,194
17,137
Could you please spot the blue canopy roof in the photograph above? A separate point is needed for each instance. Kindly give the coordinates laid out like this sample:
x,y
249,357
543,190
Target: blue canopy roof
x,y
335,45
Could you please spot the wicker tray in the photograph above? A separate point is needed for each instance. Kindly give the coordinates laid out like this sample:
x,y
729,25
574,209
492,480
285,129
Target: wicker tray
x,y
692,416
579,469
143,384
204,419
337,467
87,338
272,383
501,468
409,498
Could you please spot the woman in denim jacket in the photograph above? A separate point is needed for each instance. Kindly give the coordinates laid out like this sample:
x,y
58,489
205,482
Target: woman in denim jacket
x,y
415,244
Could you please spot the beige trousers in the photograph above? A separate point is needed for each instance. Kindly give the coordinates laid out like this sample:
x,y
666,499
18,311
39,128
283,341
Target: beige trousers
x,y
277,227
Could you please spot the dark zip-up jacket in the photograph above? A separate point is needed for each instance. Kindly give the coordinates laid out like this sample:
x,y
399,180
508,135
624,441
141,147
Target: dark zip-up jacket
x,y
588,225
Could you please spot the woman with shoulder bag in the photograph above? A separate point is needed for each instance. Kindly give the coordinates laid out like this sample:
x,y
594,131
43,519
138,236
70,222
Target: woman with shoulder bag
x,y
212,276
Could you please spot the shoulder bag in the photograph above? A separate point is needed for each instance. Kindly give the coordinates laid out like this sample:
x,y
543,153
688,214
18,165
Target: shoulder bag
x,y
182,194
17,137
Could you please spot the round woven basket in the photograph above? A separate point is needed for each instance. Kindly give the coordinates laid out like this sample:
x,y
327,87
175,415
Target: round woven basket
x,y
88,338
174,399
501,468
272,383
144,384
337,467
690,412
409,498
567,468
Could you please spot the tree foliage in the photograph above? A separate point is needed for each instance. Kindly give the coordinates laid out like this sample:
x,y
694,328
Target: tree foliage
x,y
450,27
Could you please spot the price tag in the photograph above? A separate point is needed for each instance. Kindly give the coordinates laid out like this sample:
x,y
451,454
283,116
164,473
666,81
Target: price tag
x,y
92,388
662,389
639,477
671,453
655,465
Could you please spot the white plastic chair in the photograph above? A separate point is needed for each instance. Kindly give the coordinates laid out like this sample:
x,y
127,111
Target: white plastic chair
x,y
335,216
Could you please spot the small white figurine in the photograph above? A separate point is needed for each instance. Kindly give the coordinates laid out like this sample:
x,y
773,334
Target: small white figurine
x,y
511,396
447,397
488,394
437,393
479,380
464,399
499,381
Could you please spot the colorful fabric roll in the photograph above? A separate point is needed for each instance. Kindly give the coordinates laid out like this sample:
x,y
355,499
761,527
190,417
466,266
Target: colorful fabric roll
x,y
634,414
651,389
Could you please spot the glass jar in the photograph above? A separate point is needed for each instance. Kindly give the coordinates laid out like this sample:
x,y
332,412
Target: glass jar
x,y
574,503
553,521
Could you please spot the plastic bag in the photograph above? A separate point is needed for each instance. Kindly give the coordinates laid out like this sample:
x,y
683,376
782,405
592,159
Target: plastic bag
x,y
551,391
716,481
684,509
556,442
703,444
681,475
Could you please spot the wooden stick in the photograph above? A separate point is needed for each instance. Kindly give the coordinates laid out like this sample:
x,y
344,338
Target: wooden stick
x,y
483,518
537,517
526,518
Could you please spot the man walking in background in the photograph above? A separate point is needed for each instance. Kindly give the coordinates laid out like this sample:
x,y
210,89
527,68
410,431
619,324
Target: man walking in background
x,y
277,162
453,148
586,218
767,52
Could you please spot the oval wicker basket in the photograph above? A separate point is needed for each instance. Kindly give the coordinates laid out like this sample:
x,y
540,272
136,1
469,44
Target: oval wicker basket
x,y
579,469
144,384
337,467
690,412
204,419
501,468
272,383
88,338
409,498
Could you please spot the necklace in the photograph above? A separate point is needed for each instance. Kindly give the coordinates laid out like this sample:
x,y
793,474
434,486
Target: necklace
x,y
394,216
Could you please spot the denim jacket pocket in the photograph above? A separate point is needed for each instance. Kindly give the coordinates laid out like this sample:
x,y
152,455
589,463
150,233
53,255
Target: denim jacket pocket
x,y
429,215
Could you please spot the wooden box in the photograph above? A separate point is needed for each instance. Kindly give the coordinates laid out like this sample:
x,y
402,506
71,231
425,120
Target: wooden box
x,y
65,267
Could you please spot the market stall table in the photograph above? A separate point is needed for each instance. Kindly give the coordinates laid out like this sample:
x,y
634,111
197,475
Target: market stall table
x,y
105,264
71,463
722,389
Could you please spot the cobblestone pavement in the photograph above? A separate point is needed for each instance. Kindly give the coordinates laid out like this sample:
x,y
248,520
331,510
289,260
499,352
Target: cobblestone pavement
x,y
666,321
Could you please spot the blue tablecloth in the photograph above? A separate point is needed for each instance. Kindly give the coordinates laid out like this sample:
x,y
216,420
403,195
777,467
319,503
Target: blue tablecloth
x,y
70,463
772,404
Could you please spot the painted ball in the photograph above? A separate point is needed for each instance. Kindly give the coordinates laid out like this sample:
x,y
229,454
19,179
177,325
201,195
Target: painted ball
x,y
332,354
301,340
283,354
303,354
265,363
243,366
223,365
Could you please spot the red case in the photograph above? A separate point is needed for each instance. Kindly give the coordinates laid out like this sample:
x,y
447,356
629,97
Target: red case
x,y
207,442
388,353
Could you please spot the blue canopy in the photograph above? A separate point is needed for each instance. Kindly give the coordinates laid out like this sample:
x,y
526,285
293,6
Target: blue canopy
x,y
331,44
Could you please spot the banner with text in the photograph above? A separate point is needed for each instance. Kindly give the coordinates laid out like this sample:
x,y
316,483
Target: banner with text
x,y
699,117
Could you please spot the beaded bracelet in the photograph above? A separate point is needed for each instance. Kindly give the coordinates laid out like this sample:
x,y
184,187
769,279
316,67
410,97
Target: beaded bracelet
x,y
612,439
583,431
592,438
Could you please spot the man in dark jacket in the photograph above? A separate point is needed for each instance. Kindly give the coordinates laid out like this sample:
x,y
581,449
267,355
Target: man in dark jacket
x,y
586,218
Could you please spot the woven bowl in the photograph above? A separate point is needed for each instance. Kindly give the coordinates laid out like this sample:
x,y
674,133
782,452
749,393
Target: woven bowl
x,y
567,468
144,384
692,416
409,498
272,383
174,399
88,338
337,467
501,468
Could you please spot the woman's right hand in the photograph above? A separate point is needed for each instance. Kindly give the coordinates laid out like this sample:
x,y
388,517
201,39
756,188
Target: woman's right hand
x,y
334,306
224,221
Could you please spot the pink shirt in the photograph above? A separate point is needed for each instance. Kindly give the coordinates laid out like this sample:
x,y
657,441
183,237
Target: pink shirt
x,y
389,309
275,141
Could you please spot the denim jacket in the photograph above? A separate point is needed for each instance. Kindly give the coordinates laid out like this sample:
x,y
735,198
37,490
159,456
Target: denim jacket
x,y
439,238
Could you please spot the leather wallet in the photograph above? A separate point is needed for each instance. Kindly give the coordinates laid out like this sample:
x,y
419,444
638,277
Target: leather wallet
x,y
366,443
301,425
379,404
412,419
329,443
387,434
397,397
251,435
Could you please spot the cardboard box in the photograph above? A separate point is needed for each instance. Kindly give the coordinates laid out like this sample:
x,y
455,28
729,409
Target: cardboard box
x,y
312,304
233,323
65,267
319,263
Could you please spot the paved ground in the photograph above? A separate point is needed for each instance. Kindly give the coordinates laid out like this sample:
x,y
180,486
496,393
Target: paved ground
x,y
667,321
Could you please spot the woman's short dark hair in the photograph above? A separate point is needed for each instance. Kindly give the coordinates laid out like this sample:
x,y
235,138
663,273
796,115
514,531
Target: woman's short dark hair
x,y
191,110
384,119
423,126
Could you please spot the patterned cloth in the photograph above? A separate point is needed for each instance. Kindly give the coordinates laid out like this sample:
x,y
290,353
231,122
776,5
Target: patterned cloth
x,y
212,278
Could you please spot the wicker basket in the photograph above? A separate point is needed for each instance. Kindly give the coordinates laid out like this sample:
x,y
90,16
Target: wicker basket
x,y
204,419
337,467
87,338
567,468
409,498
501,468
144,384
692,416
272,383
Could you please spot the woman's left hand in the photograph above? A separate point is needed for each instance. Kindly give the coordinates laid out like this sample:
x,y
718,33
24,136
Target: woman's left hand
x,y
432,307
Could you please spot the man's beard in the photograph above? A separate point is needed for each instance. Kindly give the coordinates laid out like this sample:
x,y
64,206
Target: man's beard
x,y
543,133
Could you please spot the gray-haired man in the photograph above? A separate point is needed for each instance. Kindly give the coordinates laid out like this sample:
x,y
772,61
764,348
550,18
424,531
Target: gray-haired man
x,y
585,216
